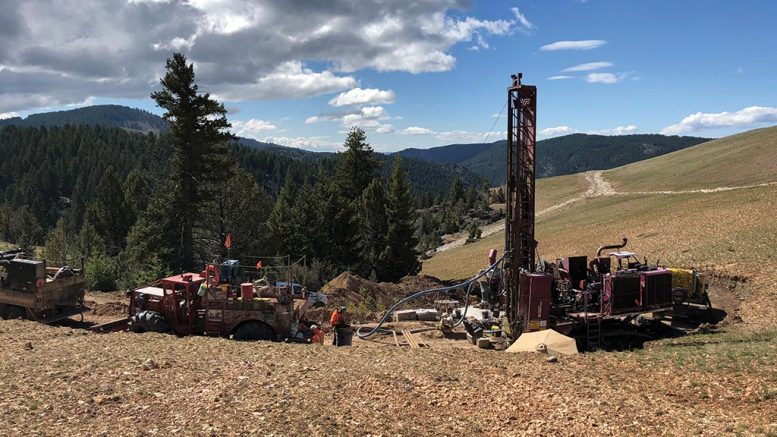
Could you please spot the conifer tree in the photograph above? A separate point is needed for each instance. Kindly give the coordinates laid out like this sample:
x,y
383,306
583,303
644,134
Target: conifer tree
x,y
89,242
373,227
456,192
136,193
198,137
280,223
59,245
109,213
244,217
357,166
400,239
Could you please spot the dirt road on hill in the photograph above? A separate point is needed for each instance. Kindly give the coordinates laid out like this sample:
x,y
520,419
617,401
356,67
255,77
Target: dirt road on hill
x,y
598,186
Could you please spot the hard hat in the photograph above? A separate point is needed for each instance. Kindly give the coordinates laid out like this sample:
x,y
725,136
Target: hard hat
x,y
313,327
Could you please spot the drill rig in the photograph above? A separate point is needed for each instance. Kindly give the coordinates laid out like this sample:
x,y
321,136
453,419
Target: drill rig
x,y
614,289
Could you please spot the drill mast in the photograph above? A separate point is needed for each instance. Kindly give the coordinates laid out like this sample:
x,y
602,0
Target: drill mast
x,y
520,244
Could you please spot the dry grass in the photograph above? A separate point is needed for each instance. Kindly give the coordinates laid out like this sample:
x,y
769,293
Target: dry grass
x,y
555,190
733,232
743,159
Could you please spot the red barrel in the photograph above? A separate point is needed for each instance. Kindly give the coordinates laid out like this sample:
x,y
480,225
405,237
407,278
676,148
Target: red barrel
x,y
247,290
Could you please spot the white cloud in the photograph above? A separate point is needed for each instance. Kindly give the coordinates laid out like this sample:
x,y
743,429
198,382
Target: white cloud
x,y
384,129
252,128
321,143
241,50
558,131
586,44
606,78
461,136
744,118
289,80
415,130
524,24
590,66
620,130
359,96
560,77
6,115
550,132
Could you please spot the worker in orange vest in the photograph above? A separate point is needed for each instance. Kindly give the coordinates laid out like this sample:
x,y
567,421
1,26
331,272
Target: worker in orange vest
x,y
337,321
318,335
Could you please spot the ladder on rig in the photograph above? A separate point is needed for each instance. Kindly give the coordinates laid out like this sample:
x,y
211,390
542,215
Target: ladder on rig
x,y
593,328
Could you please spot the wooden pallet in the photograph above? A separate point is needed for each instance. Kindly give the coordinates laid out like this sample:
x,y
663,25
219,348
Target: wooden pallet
x,y
413,341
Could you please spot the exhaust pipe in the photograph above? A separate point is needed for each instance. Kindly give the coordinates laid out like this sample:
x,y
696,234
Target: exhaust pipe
x,y
612,246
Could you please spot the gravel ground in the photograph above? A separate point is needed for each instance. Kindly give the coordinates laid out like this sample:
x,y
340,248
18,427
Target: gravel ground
x,y
65,381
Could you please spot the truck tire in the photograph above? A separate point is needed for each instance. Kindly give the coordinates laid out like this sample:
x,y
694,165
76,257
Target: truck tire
x,y
13,312
147,321
253,330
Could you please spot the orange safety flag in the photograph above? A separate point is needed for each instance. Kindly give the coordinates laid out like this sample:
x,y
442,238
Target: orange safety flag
x,y
228,242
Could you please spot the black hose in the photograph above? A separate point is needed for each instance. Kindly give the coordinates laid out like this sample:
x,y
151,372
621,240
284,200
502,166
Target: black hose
x,y
468,283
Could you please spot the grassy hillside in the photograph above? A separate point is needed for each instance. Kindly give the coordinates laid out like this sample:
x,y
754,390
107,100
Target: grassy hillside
x,y
743,159
555,190
733,232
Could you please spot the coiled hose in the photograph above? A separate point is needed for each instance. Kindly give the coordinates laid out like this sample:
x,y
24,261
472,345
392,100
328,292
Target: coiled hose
x,y
468,283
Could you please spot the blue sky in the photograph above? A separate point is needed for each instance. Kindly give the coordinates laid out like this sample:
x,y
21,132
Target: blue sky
x,y
301,74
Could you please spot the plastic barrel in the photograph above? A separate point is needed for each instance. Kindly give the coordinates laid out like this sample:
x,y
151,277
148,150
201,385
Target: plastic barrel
x,y
247,291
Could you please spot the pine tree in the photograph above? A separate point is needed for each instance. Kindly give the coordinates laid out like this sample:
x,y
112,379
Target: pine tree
x,y
198,137
109,212
24,229
244,216
400,238
89,242
59,245
373,228
280,223
136,193
357,166
456,192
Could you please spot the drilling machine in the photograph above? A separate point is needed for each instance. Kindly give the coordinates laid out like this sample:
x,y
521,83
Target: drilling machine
x,y
570,294
527,293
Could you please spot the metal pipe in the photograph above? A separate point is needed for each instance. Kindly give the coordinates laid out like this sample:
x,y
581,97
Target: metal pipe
x,y
612,246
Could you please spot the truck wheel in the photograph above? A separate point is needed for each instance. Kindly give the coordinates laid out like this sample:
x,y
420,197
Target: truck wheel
x,y
147,321
253,330
13,312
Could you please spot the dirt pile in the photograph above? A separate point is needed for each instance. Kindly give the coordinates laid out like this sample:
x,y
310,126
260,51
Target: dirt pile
x,y
349,289
107,308
367,300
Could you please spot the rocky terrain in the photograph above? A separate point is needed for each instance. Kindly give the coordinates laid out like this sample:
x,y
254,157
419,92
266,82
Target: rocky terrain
x,y
61,380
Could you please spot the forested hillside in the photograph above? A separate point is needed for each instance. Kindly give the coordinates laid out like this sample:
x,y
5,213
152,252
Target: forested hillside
x,y
451,154
55,170
98,115
559,156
